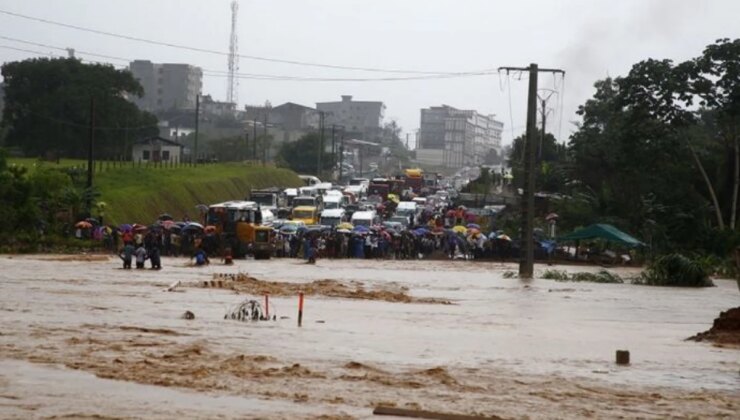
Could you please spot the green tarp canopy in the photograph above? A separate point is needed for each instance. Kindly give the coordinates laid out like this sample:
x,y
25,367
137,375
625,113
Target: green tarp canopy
x,y
602,231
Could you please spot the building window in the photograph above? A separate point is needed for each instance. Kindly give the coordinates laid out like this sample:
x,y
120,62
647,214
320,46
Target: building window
x,y
145,155
165,155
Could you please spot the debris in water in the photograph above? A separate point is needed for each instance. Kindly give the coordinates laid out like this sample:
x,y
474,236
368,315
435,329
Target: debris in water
x,y
188,315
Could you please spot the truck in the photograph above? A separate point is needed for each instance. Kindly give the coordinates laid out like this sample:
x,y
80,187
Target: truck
x,y
268,198
240,227
414,180
306,214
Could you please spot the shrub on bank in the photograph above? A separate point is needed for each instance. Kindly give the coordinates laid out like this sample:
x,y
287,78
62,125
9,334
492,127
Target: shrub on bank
x,y
602,276
674,270
25,243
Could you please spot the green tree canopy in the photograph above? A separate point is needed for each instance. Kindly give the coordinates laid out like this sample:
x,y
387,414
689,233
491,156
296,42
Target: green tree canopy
x,y
302,155
48,101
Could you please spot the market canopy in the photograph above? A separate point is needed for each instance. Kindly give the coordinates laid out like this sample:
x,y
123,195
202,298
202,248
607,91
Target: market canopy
x,y
602,231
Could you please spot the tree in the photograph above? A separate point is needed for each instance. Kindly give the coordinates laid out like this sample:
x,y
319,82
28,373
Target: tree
x,y
16,204
302,155
550,175
657,150
47,107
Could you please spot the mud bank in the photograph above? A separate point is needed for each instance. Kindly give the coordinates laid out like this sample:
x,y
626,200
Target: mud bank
x,y
243,283
724,331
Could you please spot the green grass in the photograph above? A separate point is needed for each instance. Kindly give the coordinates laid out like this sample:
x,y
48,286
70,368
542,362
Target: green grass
x,y
31,163
139,195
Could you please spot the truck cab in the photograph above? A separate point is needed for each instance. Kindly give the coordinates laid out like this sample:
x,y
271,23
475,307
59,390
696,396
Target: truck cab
x,y
306,214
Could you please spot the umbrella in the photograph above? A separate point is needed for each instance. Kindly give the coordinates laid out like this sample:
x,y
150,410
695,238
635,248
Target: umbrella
x,y
361,229
83,225
137,227
473,231
504,237
344,231
508,176
125,227
459,229
288,229
92,220
552,216
345,225
421,231
473,226
167,224
193,226
165,216
209,229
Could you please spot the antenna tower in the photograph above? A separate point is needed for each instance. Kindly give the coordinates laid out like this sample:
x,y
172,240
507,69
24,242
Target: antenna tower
x,y
233,83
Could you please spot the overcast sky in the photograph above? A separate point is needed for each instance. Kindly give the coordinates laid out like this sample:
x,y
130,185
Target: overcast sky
x,y
589,39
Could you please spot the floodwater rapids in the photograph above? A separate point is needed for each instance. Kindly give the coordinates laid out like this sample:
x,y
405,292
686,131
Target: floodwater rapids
x,y
81,337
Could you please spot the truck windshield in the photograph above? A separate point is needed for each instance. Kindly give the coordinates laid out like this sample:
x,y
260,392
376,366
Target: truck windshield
x,y
303,201
329,221
302,214
263,199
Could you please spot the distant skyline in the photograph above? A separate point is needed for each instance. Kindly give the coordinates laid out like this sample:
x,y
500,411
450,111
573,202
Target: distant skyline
x,y
587,39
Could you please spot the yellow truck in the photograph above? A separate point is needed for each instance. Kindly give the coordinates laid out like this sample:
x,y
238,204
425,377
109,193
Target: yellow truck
x,y
306,214
240,227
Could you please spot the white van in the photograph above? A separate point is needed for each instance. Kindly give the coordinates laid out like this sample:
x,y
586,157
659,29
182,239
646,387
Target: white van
x,y
365,218
406,208
332,217
332,201
309,180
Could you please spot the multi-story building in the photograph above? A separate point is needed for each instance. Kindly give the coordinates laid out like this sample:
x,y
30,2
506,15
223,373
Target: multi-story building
x,y
166,86
454,138
360,119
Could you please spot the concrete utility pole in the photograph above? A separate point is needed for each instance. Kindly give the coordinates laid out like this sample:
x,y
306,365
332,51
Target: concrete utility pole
x,y
333,148
321,144
197,118
526,261
90,162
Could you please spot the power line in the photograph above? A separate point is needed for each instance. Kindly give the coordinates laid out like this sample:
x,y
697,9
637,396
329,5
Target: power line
x,y
222,53
258,76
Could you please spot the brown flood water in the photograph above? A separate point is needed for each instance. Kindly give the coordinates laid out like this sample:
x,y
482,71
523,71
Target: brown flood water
x,y
83,338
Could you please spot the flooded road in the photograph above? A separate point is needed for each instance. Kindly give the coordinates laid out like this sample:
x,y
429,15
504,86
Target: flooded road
x,y
502,347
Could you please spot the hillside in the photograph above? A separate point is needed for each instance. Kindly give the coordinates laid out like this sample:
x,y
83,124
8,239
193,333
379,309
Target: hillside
x,y
141,194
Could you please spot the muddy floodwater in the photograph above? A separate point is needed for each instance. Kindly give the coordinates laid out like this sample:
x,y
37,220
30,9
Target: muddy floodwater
x,y
83,338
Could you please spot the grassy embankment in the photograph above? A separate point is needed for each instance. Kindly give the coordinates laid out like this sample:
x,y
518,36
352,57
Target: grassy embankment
x,y
139,195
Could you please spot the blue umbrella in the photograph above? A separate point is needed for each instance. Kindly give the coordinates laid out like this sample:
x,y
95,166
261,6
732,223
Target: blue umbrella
x,y
361,229
125,227
421,231
473,226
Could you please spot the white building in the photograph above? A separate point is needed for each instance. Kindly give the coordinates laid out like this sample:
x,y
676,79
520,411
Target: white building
x,y
454,138
156,149
166,86
360,119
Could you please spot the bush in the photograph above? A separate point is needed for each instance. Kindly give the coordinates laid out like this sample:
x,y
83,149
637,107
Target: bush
x,y
555,275
602,276
675,270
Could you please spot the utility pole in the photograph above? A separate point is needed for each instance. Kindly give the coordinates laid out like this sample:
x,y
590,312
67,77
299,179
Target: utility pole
x,y
407,141
197,118
90,162
333,148
264,138
543,115
254,140
321,144
526,261
245,154
341,157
